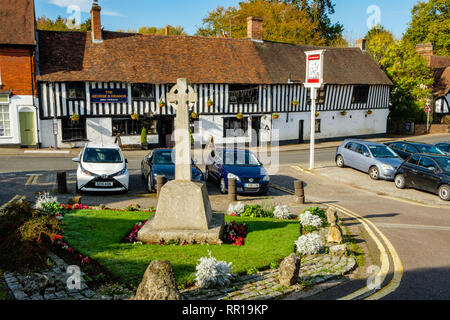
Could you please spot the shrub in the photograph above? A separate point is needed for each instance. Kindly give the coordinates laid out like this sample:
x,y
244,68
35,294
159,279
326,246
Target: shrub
x,y
44,199
256,211
235,234
309,244
236,209
144,135
211,273
26,236
308,219
318,212
282,212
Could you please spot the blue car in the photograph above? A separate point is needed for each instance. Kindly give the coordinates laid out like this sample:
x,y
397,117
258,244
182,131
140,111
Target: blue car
x,y
160,162
444,147
243,165
377,159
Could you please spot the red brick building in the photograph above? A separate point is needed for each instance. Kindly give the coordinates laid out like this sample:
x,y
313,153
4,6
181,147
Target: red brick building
x,y
19,116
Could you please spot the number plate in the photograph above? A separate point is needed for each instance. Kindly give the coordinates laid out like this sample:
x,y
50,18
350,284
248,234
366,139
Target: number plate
x,y
104,184
252,185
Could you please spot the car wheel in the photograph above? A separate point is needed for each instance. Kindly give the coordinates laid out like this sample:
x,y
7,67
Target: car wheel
x,y
400,181
150,187
223,188
374,173
444,192
340,161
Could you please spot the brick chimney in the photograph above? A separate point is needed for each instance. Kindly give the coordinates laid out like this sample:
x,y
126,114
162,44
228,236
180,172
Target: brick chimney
x,y
426,51
166,30
361,43
96,23
255,28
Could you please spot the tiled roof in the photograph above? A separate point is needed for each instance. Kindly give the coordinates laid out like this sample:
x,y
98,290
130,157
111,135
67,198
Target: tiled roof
x,y
442,81
122,57
17,22
437,62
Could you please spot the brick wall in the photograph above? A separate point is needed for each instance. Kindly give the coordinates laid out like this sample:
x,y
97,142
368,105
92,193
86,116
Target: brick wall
x,y
16,70
421,129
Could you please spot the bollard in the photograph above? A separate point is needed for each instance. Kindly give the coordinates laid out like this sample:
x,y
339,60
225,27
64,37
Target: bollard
x,y
232,196
299,192
61,178
160,182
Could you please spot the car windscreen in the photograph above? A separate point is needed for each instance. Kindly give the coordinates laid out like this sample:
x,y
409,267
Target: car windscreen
x,y
423,148
241,158
99,155
444,163
382,152
164,158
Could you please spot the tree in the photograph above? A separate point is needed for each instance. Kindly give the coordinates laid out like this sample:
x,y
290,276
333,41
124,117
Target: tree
x,y
282,22
60,24
412,80
431,23
173,31
319,12
378,39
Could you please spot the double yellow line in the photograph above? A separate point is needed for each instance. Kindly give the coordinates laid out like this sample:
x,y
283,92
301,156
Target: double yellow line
x,y
17,197
374,232
32,180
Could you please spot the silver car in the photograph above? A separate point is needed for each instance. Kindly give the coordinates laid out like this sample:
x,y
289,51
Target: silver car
x,y
380,161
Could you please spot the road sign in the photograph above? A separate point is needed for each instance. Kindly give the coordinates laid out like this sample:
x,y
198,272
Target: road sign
x,y
428,109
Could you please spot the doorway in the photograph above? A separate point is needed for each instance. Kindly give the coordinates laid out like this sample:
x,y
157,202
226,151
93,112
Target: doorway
x,y
27,129
301,138
165,131
256,129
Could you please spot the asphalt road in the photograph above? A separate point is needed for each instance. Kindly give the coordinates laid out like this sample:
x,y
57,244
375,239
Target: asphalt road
x,y
420,234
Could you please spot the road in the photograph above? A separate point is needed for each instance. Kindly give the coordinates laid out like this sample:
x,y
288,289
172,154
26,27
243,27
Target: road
x,y
420,234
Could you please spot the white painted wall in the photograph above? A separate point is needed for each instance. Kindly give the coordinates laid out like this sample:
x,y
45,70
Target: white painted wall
x,y
19,103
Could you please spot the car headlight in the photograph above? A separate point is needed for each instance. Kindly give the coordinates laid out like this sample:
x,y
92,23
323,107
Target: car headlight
x,y
387,167
233,176
88,173
266,179
120,173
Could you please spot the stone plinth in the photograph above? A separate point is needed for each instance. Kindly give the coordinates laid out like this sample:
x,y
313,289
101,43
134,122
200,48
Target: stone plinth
x,y
184,213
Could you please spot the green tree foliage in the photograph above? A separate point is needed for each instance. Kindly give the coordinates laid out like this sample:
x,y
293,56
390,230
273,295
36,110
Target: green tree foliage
x,y
283,22
60,24
378,39
173,31
412,80
431,23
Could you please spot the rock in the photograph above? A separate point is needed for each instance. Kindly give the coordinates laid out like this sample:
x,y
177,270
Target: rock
x,y
158,283
289,270
332,216
35,283
74,200
334,234
338,251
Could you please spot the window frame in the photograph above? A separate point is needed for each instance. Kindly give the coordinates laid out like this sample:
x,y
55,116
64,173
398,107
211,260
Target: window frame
x,y
360,94
321,96
318,126
140,125
65,129
244,121
3,121
152,97
81,85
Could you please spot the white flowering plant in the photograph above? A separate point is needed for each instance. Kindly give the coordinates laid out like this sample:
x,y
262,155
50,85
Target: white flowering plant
x,y
309,244
236,209
212,273
48,203
282,212
307,219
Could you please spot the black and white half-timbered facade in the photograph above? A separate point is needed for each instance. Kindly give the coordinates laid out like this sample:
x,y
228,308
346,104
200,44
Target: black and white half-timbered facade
x,y
249,89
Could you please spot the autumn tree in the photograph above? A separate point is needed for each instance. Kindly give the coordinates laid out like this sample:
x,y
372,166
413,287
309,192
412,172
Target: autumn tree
x,y
173,31
431,23
283,22
60,24
378,39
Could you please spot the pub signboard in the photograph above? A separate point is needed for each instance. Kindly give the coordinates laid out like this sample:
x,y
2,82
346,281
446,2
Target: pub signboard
x,y
109,95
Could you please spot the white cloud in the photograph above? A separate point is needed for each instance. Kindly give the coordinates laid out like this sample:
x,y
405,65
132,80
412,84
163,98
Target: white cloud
x,y
84,5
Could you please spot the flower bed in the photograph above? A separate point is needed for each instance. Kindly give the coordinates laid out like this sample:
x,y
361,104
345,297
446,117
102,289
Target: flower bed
x,y
235,234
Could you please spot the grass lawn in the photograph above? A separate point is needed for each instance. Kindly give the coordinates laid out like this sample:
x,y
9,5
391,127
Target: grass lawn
x,y
97,234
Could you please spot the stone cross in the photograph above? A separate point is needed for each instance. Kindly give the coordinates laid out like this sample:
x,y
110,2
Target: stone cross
x,y
181,96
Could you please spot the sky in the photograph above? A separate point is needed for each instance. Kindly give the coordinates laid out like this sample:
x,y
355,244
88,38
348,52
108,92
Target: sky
x,y
355,15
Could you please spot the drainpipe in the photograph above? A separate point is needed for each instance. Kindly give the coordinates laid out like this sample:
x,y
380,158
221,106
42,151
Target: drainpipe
x,y
33,83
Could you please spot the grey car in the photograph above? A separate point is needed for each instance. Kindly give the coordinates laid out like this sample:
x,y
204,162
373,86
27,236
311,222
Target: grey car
x,y
377,159
444,147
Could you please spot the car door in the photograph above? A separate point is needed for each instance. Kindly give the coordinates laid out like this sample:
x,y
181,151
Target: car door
x,y
349,153
363,158
411,170
428,175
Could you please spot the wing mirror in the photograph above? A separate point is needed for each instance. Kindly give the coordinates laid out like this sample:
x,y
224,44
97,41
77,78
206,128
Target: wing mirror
x,y
76,160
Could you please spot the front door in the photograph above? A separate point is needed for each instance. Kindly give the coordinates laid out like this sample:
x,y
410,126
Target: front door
x,y
256,128
301,139
27,130
165,131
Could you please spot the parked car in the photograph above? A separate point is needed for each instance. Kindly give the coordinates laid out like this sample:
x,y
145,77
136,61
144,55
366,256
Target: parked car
x,y
444,147
426,172
161,162
102,168
406,148
380,161
243,165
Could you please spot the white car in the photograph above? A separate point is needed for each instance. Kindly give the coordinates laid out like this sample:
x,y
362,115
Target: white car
x,y
102,168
